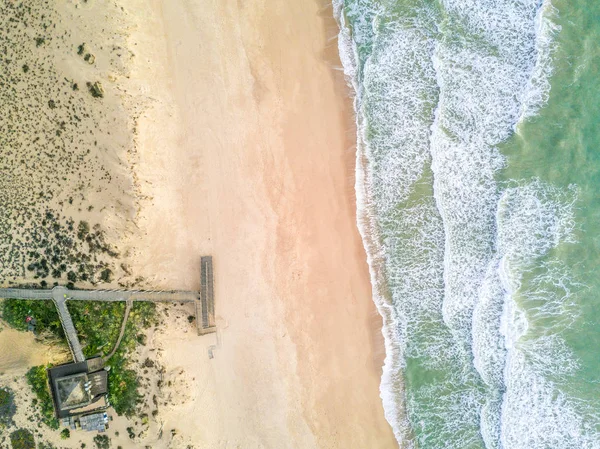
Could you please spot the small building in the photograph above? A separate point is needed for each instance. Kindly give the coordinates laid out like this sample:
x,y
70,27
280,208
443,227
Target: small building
x,y
96,422
76,386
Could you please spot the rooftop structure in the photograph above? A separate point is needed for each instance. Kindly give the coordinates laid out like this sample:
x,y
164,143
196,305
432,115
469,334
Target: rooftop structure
x,y
74,386
94,422
72,391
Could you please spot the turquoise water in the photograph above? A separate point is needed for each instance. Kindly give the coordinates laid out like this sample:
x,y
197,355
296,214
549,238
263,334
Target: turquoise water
x,y
478,168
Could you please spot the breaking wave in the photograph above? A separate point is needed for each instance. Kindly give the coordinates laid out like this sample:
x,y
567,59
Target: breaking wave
x,y
463,269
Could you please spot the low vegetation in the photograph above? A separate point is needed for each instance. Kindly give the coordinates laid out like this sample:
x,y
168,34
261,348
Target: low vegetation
x,y
102,441
98,325
45,445
38,379
22,439
7,407
96,89
15,313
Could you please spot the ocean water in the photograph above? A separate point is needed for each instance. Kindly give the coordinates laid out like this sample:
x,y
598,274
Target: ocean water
x,y
478,195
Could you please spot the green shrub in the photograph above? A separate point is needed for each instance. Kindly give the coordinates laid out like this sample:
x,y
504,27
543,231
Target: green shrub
x,y
106,275
96,89
83,229
22,439
98,324
102,441
7,407
46,445
37,377
65,434
15,311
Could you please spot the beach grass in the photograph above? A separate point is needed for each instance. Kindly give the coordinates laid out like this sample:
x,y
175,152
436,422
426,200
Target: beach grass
x,y
37,378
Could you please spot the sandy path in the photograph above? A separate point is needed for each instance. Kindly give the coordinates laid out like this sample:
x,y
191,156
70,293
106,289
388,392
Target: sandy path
x,y
246,155
20,351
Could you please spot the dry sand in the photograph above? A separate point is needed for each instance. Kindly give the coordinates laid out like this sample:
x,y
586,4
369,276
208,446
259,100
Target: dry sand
x,y
21,350
246,154
244,150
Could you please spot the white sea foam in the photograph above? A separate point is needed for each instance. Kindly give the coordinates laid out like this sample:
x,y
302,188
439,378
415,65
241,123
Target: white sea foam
x,y
485,79
537,415
538,90
446,272
532,220
391,388
482,77
398,100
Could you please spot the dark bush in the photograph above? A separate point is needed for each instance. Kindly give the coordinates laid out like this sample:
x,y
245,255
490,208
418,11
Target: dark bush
x,y
106,275
22,439
7,407
102,441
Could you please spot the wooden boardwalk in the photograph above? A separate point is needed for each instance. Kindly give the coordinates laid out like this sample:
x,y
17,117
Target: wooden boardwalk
x,y
121,332
207,302
203,303
69,329
99,295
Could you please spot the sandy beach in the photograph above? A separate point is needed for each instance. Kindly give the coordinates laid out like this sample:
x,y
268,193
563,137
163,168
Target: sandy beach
x,y
229,133
247,154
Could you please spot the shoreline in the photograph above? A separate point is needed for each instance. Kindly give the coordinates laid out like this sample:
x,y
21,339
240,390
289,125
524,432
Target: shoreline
x,y
256,168
239,143
392,387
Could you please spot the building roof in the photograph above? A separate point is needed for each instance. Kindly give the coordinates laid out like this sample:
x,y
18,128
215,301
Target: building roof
x,y
94,422
72,391
60,395
75,385
94,364
99,383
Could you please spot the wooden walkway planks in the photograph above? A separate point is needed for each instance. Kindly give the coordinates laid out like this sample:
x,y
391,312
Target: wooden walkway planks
x,y
207,300
99,295
69,329
204,302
